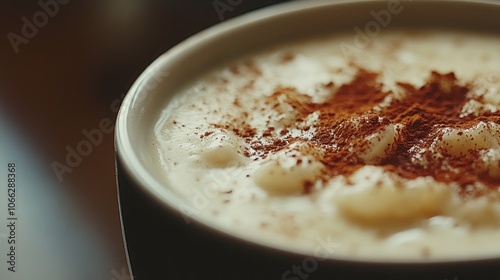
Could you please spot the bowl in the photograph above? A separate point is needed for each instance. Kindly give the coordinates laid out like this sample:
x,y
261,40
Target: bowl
x,y
164,238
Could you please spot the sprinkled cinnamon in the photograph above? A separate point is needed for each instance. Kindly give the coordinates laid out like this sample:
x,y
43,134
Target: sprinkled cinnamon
x,y
421,113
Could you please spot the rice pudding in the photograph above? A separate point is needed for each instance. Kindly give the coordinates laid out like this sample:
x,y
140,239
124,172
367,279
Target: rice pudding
x,y
388,152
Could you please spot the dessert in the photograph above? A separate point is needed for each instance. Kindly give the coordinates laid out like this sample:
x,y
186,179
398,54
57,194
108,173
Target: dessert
x,y
392,151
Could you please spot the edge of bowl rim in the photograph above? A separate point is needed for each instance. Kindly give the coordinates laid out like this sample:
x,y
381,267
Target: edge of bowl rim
x,y
125,153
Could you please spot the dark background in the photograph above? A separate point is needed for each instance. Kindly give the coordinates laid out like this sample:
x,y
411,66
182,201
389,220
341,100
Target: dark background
x,y
77,64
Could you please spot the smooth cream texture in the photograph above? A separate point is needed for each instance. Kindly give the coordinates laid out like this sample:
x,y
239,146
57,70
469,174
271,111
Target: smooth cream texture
x,y
371,215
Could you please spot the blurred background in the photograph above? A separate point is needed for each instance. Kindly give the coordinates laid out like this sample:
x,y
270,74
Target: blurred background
x,y
64,67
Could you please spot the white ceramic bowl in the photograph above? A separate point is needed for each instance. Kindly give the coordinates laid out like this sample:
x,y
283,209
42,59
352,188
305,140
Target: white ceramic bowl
x,y
145,101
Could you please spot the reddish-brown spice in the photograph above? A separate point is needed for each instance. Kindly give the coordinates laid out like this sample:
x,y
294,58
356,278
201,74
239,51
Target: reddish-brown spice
x,y
422,112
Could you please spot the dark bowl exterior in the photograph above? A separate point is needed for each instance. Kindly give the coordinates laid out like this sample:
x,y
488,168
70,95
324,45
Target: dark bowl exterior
x,y
164,245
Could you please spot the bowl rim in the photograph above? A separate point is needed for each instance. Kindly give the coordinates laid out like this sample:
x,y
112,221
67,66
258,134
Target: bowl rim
x,y
130,161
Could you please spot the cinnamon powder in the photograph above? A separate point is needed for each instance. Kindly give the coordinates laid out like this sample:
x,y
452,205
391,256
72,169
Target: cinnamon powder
x,y
422,112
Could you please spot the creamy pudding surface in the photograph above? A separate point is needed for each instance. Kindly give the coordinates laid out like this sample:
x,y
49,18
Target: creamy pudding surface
x,y
389,151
